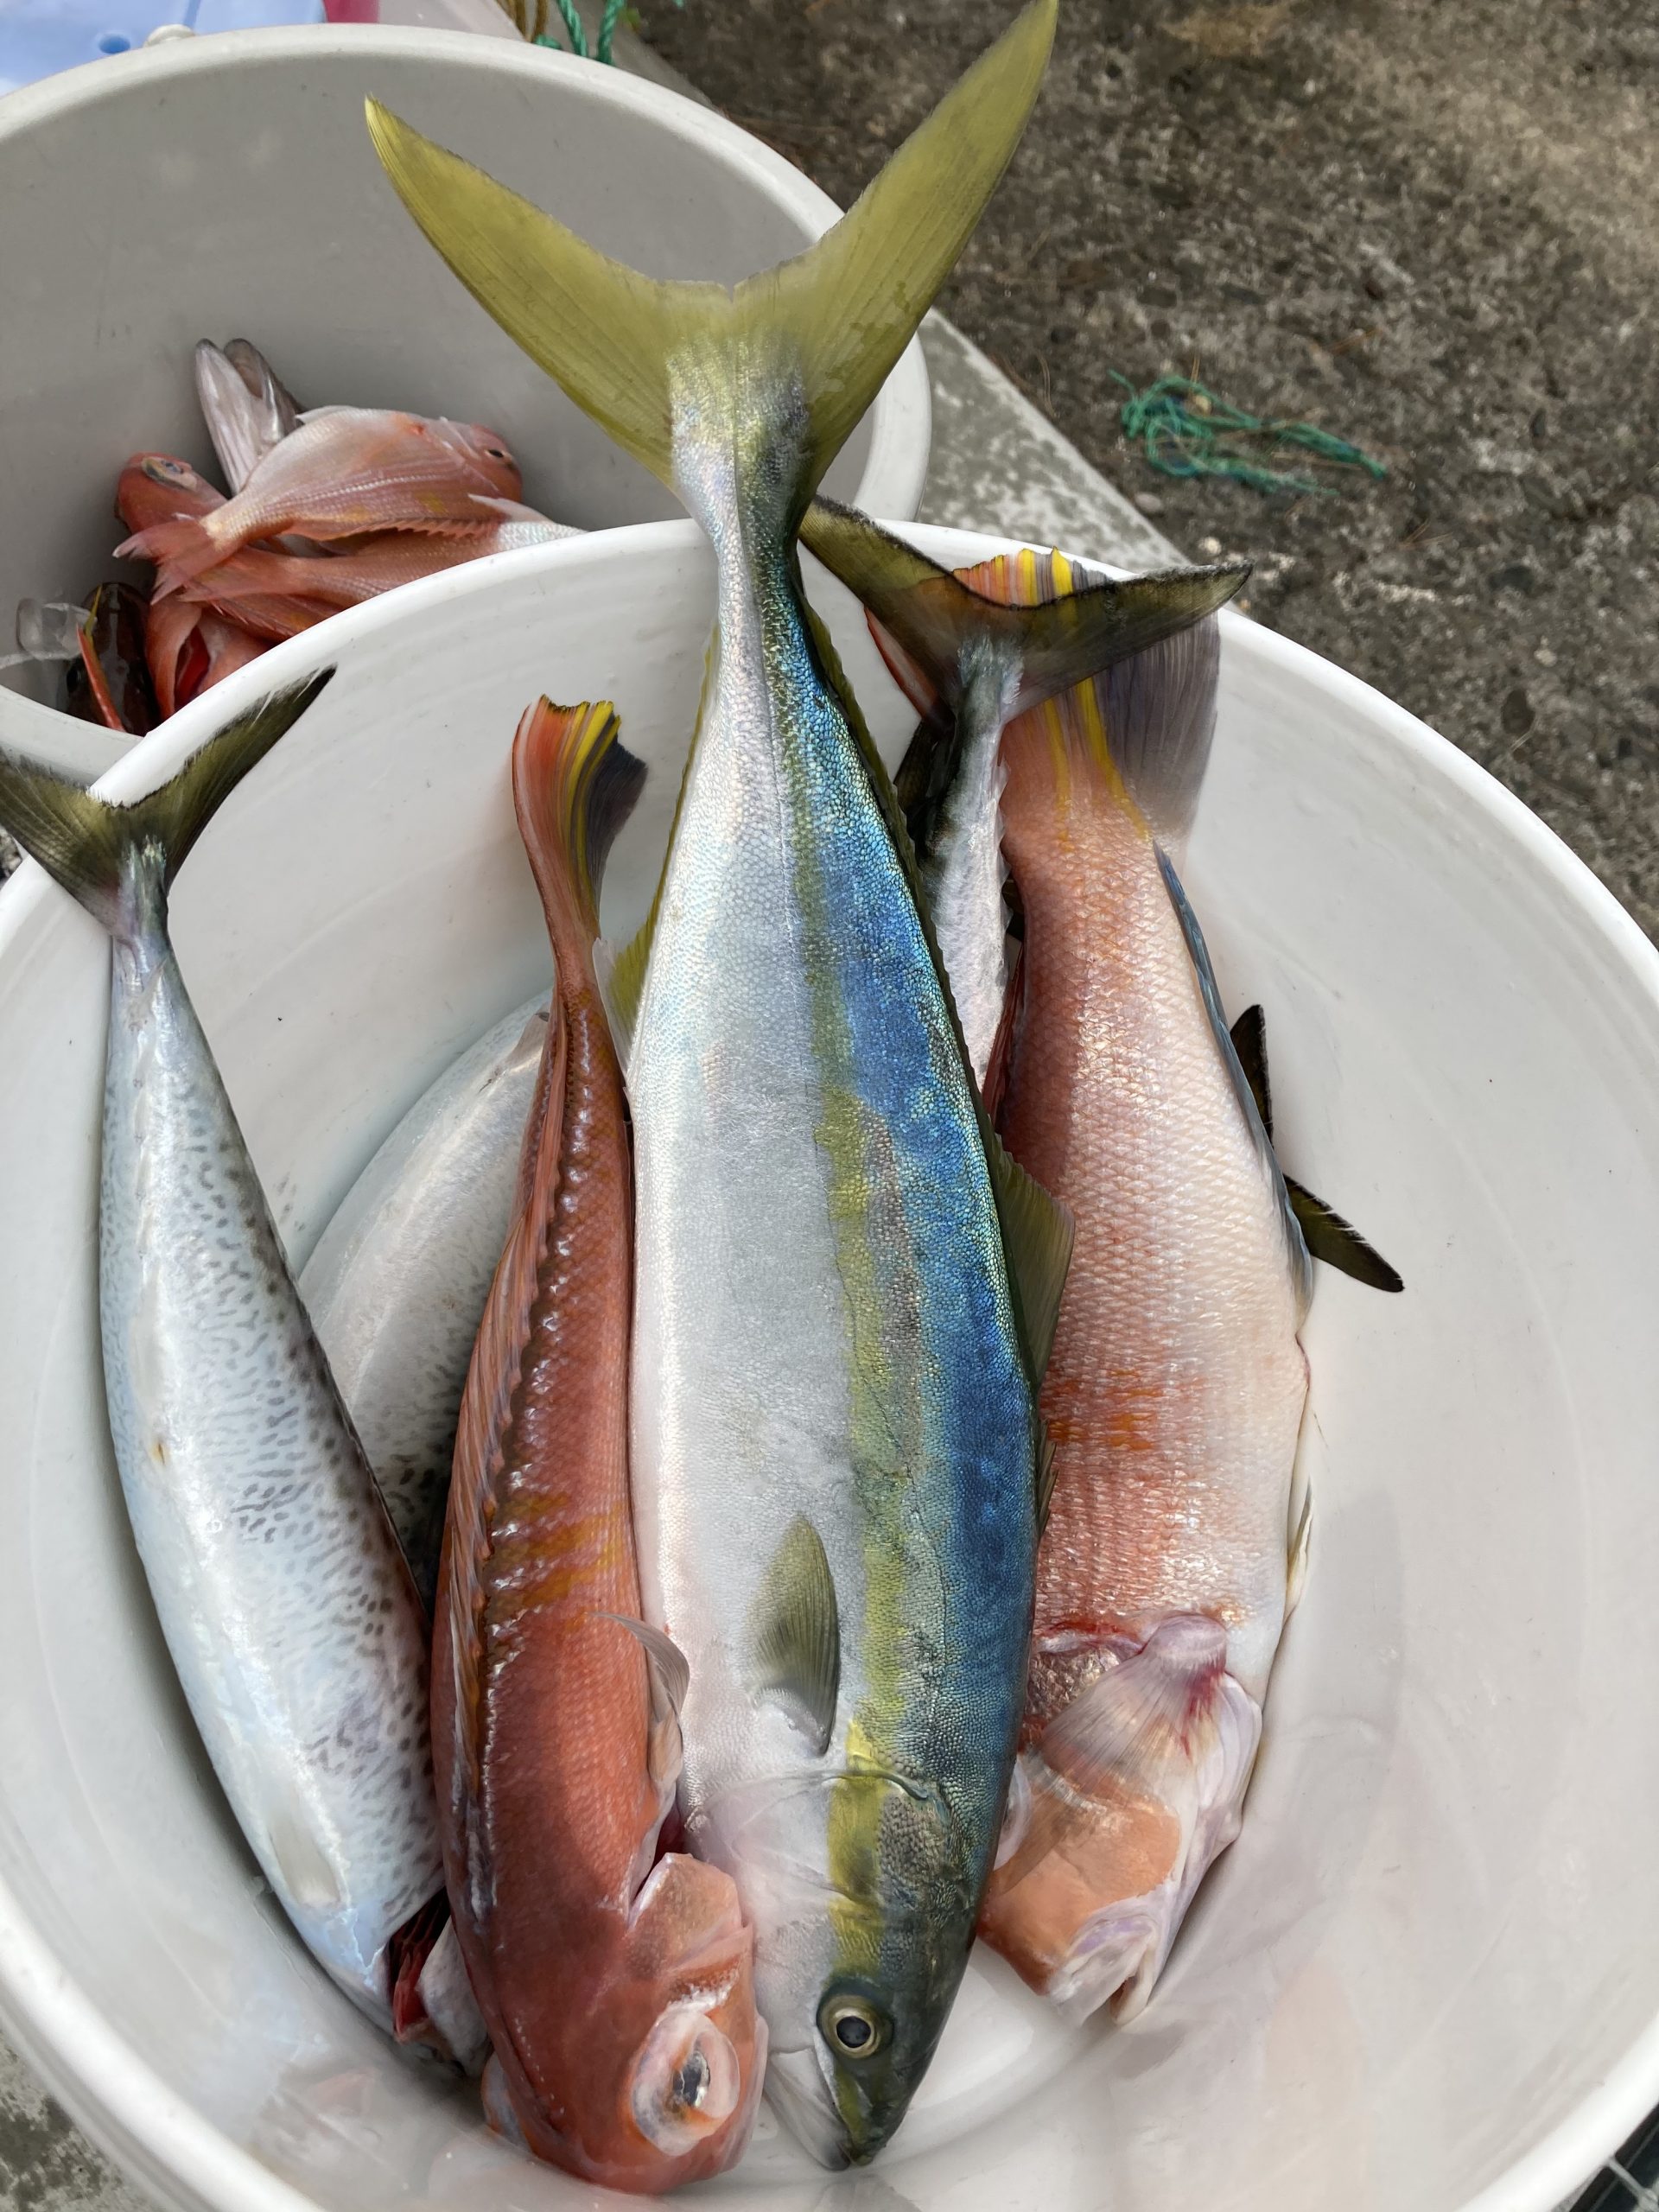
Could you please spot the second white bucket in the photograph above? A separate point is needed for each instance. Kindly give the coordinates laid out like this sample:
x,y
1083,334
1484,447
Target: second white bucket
x,y
226,187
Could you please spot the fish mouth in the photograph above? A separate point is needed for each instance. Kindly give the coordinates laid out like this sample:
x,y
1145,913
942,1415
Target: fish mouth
x,y
798,2094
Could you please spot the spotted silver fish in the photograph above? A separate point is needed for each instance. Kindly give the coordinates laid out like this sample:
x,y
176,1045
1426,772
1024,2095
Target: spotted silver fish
x,y
288,1612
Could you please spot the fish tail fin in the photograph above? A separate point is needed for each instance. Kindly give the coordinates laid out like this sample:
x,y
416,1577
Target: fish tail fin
x,y
944,627
1132,1792
574,786
845,309
181,548
95,848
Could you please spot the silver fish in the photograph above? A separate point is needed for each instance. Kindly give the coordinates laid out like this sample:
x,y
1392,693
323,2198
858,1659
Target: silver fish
x,y
398,1278
286,1604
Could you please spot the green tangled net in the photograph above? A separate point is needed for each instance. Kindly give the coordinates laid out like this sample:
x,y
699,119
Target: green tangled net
x,y
531,19
1186,430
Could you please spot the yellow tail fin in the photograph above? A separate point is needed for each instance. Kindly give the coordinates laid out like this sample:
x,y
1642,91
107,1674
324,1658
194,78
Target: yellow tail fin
x,y
847,307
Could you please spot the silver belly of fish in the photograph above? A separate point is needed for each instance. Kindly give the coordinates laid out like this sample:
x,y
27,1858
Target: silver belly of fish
x,y
398,1281
284,1600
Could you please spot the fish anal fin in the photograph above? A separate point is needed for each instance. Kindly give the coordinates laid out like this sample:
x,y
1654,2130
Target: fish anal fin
x,y
795,1635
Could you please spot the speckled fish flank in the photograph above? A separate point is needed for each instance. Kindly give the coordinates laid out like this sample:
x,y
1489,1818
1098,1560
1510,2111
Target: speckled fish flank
x,y
284,1600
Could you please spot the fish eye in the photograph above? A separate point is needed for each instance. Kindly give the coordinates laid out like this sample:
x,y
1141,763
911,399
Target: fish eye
x,y
497,453
166,472
853,2026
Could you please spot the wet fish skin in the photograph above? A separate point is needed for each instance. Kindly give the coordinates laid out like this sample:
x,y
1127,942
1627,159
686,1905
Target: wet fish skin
x,y
286,1604
617,1987
345,472
1176,1384
833,1427
397,1281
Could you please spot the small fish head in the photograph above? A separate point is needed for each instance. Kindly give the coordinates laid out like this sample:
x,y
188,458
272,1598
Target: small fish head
x,y
486,453
159,488
663,2078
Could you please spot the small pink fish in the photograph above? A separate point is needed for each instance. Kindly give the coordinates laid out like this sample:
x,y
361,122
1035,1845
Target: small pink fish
x,y
366,569
191,646
346,472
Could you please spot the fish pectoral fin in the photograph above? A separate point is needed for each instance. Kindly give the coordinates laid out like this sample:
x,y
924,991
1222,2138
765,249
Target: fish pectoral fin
x,y
670,1674
1125,1731
1338,1243
1037,1233
1135,1789
795,1635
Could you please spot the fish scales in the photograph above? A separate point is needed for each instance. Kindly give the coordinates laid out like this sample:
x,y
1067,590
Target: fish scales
x,y
821,1294
1175,1389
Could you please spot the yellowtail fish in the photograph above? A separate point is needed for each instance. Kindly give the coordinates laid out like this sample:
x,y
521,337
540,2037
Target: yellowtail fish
x,y
843,1289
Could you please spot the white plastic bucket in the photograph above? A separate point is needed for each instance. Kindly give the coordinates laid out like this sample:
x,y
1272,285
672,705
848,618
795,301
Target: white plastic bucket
x,y
1427,1978
227,186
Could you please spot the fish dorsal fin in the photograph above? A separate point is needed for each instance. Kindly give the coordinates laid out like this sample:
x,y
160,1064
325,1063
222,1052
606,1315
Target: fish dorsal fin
x,y
846,308
1327,1235
795,1635
1249,1036
1048,644
669,1672
1296,1253
1338,1243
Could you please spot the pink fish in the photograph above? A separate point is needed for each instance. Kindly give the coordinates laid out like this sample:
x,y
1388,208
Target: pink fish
x,y
346,472
366,569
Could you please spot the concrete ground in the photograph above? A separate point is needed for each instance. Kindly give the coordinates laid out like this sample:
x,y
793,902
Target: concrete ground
x,y
1427,224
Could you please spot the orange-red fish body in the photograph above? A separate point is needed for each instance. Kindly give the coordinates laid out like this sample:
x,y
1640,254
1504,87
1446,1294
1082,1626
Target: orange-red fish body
x,y
618,1994
190,647
1175,1389
345,472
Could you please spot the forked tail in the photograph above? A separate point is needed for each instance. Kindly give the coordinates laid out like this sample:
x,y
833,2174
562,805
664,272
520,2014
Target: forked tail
x,y
835,317
99,850
943,626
